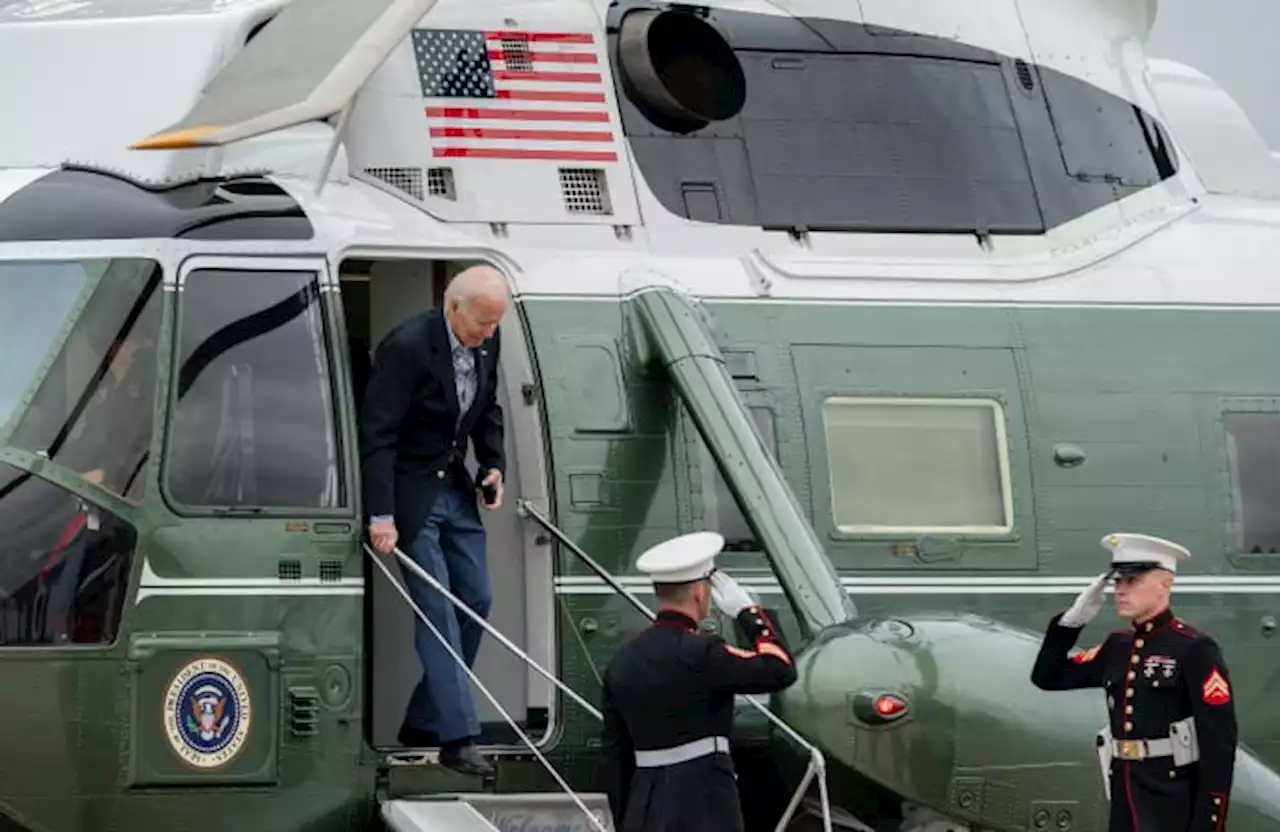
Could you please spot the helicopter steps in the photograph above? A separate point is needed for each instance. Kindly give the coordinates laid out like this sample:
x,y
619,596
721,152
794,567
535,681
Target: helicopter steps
x,y
482,812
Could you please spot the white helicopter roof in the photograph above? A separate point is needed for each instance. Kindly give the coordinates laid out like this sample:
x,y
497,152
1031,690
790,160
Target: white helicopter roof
x,y
100,10
70,65
179,72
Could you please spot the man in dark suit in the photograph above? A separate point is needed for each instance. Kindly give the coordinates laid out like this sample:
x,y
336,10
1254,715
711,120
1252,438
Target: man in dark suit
x,y
433,386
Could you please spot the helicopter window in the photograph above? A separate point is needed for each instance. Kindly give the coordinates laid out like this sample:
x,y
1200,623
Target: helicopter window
x,y
917,465
36,297
93,410
253,424
1253,463
722,505
850,127
64,566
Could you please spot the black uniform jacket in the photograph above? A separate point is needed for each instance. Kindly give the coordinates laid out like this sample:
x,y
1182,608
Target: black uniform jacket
x,y
410,435
1155,674
670,685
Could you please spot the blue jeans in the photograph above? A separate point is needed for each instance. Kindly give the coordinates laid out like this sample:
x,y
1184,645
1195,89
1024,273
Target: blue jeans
x,y
449,548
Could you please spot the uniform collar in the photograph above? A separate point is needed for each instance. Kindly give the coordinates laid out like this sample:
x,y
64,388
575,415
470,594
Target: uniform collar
x,y
1158,621
671,618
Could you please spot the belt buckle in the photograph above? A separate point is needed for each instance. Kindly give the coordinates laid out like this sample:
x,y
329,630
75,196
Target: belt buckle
x,y
1131,750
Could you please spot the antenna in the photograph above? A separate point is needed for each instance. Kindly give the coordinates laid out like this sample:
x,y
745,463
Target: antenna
x,y
332,153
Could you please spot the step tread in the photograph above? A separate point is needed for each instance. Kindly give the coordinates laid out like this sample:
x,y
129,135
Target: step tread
x,y
527,810
523,798
434,816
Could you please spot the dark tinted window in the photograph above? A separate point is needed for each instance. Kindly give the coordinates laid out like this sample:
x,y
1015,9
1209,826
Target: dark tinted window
x,y
64,567
724,514
896,142
847,127
253,426
93,410
1253,463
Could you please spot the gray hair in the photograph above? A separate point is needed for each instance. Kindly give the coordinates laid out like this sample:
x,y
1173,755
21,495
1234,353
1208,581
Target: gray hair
x,y
476,282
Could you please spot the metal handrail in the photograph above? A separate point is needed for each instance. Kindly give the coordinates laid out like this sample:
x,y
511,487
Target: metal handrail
x,y
404,559
431,581
817,762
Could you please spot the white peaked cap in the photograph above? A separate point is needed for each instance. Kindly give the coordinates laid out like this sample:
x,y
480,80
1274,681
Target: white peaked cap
x,y
689,557
1140,550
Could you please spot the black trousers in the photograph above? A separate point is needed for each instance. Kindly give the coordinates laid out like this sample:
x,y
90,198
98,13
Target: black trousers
x,y
696,796
1145,798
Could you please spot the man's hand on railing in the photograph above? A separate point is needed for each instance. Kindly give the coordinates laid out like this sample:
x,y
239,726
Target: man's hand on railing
x,y
382,535
728,596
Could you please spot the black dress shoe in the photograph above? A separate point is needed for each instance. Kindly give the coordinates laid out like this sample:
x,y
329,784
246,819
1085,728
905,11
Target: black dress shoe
x,y
467,760
411,737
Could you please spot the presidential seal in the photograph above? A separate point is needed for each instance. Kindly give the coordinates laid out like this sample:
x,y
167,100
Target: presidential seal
x,y
207,713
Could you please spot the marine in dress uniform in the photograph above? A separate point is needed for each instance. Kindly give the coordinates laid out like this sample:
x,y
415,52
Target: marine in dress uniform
x,y
1169,751
668,696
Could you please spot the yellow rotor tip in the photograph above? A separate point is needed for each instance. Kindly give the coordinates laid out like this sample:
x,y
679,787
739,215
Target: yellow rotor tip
x,y
174,139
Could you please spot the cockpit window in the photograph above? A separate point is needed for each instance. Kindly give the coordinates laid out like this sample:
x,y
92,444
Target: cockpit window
x,y
36,299
64,566
92,412
252,425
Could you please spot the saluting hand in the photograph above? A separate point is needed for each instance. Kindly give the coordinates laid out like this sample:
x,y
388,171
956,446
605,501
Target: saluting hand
x,y
728,596
1088,604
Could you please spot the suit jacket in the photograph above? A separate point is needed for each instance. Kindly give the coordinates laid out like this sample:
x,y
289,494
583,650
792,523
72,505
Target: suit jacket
x,y
411,438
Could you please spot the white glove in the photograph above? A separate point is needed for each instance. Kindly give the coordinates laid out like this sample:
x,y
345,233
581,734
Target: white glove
x,y
728,596
1088,604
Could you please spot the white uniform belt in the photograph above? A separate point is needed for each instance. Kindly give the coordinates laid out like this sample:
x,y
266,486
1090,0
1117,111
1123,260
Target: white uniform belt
x,y
1142,749
704,747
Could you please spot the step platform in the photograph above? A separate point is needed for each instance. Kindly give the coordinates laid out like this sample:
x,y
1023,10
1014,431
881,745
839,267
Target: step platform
x,y
481,812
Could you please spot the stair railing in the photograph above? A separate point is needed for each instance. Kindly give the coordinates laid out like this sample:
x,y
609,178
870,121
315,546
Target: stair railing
x,y
817,762
491,630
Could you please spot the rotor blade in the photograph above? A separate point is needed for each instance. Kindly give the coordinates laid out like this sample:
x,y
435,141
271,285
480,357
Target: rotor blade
x,y
305,64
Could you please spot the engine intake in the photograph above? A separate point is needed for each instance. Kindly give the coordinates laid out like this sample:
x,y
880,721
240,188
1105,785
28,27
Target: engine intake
x,y
679,70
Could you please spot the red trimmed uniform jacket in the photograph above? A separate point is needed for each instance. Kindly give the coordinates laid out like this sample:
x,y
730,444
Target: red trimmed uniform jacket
x,y
1154,675
671,685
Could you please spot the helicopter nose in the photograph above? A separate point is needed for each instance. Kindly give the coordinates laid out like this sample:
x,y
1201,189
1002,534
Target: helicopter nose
x,y
864,693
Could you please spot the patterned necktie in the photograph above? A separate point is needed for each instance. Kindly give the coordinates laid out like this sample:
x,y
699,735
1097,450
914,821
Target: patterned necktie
x,y
463,369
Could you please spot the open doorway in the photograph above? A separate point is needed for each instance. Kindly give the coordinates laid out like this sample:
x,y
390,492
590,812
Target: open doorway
x,y
377,294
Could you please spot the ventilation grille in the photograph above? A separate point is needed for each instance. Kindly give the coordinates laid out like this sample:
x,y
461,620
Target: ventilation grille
x,y
289,570
330,571
304,711
440,183
408,180
1024,75
584,191
516,54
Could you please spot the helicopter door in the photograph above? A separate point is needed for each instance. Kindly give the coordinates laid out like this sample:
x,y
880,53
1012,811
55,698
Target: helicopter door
x,y
379,293
256,565
73,477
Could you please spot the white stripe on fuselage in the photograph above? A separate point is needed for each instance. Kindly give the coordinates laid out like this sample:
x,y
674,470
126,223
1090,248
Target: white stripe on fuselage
x,y
927,303
153,585
929,585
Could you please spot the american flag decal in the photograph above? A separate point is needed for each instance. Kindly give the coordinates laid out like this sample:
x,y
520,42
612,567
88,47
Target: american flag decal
x,y
514,95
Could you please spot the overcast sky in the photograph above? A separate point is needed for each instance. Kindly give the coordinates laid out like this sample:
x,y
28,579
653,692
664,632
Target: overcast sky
x,y
1235,43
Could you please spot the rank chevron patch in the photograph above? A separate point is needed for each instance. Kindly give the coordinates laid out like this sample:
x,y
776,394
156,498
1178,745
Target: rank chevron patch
x,y
1216,691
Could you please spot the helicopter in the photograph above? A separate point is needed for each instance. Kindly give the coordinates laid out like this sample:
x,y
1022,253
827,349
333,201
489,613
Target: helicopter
x,y
912,303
